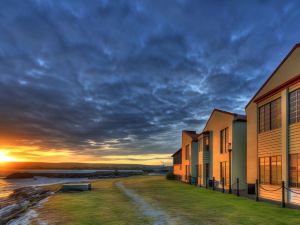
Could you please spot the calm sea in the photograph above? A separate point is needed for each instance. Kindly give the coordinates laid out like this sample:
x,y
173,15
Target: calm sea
x,y
7,186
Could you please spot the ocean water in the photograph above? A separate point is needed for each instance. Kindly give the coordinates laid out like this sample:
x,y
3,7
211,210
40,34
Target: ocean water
x,y
8,185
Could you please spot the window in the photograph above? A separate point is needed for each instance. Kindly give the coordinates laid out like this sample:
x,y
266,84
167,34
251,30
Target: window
x,y
187,152
276,170
200,174
224,140
224,172
270,116
294,170
294,106
270,170
206,142
201,144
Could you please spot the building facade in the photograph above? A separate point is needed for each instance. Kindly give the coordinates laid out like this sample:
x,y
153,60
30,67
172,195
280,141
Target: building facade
x,y
177,163
189,156
204,158
222,155
273,132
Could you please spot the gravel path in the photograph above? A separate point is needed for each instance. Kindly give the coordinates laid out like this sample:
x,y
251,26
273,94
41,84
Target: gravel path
x,y
159,216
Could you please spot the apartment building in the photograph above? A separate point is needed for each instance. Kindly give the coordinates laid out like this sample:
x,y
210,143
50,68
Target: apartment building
x,y
222,151
273,131
177,163
204,158
189,156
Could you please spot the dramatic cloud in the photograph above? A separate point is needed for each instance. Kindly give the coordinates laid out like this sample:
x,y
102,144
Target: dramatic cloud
x,y
116,79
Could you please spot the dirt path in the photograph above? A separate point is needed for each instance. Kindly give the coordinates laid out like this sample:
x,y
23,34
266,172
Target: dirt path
x,y
159,216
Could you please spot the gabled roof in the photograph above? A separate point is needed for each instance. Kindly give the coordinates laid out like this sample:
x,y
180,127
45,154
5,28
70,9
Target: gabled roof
x,y
274,72
179,150
236,116
192,134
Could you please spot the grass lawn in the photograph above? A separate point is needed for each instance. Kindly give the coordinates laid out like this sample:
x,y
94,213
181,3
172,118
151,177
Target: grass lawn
x,y
191,205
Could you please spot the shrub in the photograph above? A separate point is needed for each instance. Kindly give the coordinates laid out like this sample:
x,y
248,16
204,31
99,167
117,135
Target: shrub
x,y
170,176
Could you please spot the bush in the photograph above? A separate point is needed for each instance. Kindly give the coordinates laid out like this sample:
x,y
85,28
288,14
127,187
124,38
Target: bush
x,y
170,176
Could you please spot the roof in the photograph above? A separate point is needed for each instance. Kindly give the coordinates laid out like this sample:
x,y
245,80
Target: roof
x,y
179,150
237,117
282,62
192,134
202,133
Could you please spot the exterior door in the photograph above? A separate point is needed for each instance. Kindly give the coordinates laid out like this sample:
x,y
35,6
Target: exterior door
x,y
207,171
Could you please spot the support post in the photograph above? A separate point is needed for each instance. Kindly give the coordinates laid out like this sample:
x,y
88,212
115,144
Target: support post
x,y
283,195
256,191
230,151
237,186
206,182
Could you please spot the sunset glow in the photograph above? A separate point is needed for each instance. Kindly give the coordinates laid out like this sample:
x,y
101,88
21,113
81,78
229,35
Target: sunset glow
x,y
5,158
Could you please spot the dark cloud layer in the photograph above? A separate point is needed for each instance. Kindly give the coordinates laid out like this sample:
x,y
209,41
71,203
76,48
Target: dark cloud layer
x,y
124,77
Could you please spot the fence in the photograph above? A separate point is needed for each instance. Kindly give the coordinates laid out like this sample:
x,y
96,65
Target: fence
x,y
281,191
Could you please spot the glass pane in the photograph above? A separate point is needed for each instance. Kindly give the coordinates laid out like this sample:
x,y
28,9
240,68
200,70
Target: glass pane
x,y
227,173
293,107
273,170
226,139
293,170
261,170
279,170
267,117
261,119
267,170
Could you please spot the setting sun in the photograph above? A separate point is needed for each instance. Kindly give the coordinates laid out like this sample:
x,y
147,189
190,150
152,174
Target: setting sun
x,y
5,158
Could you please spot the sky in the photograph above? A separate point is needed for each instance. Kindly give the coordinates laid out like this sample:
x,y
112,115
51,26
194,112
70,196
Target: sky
x,y
117,81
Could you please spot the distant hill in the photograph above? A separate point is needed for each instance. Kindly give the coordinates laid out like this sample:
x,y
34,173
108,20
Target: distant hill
x,y
74,166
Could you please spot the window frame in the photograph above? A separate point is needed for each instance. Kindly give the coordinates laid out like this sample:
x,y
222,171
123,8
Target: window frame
x,y
224,140
296,111
267,171
269,116
187,152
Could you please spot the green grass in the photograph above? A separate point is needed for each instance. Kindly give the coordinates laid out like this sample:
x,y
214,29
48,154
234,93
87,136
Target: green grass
x,y
105,204
192,205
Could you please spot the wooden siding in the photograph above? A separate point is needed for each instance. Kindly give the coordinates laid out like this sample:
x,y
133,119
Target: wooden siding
x,y
270,143
294,138
294,198
177,169
267,192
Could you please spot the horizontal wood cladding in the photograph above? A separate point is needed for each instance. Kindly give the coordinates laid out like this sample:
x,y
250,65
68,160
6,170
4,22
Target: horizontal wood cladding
x,y
294,138
270,143
293,196
268,192
206,156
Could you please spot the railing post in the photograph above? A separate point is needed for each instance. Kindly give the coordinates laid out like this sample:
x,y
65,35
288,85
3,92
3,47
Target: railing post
x,y
256,191
213,183
283,195
237,186
223,185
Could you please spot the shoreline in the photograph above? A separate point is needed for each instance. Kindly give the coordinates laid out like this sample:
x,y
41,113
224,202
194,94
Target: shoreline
x,y
21,201
20,204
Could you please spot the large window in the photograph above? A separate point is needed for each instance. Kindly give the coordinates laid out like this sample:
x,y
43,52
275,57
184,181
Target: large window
x,y
276,176
187,152
294,170
294,106
224,140
270,116
270,170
